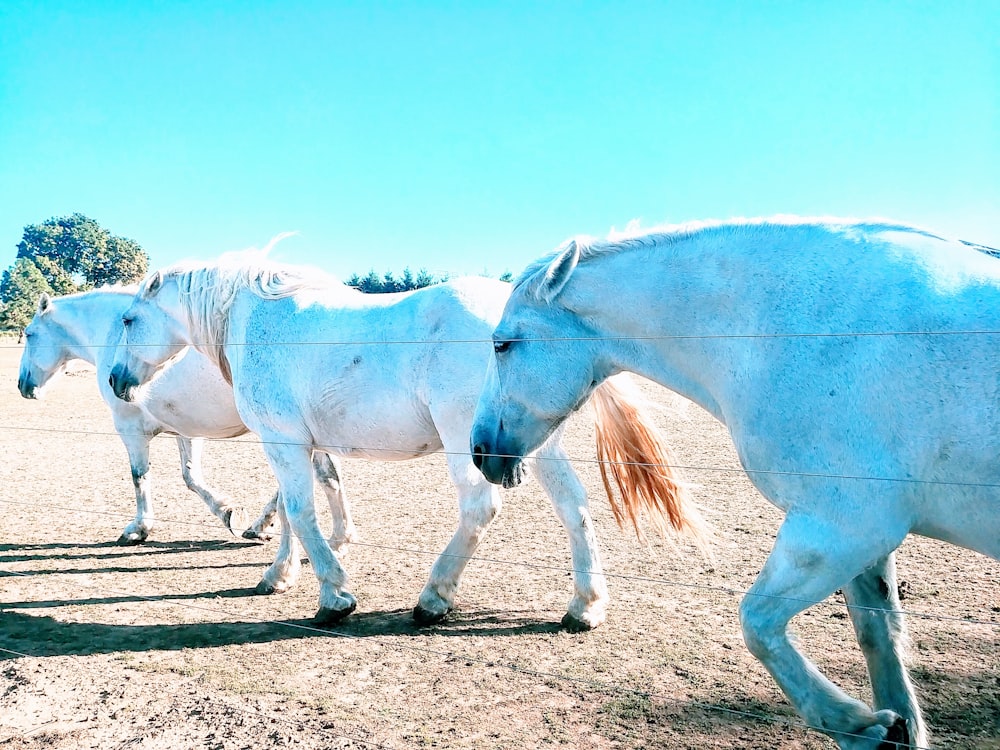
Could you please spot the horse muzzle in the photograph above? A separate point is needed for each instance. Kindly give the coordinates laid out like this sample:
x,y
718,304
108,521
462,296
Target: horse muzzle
x,y
27,386
123,383
498,468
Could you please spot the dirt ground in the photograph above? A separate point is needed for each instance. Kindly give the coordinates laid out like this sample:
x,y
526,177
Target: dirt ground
x,y
165,646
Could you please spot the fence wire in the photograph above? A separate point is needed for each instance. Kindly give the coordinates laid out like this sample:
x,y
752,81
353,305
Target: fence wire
x,y
590,684
732,591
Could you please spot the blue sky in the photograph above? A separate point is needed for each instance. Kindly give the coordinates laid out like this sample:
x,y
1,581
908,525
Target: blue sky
x,y
473,137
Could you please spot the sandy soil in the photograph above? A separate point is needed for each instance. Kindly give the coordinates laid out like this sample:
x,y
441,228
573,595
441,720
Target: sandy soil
x,y
164,645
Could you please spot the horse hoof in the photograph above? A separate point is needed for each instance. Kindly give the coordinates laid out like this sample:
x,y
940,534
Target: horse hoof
x,y
235,518
575,624
423,616
897,737
126,540
327,616
264,588
251,534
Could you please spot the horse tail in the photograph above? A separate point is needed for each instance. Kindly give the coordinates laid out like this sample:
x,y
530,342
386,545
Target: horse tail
x,y
632,449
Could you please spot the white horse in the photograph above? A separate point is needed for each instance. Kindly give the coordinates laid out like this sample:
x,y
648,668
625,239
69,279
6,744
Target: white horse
x,y
855,365
191,400
317,364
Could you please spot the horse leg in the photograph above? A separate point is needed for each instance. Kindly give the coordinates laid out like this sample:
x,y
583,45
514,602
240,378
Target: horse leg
x,y
812,558
328,471
588,607
137,444
190,449
292,465
478,505
287,565
873,601
262,527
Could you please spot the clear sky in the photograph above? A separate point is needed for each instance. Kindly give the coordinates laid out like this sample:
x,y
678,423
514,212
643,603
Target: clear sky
x,y
469,137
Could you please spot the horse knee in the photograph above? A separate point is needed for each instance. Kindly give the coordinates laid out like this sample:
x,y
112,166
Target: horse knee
x,y
759,632
490,511
476,518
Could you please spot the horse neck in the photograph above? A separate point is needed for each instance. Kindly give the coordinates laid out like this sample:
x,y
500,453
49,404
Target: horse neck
x,y
665,312
89,320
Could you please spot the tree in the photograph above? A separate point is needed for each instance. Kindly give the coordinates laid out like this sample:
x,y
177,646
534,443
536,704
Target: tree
x,y
371,284
65,255
75,252
22,285
389,283
424,279
121,261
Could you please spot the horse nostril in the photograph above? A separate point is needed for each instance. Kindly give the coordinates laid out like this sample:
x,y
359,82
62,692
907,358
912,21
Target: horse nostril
x,y
478,453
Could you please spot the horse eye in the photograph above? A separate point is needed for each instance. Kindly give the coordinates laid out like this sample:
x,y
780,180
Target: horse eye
x,y
501,346
127,321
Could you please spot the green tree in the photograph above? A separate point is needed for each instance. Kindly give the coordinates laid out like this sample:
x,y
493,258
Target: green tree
x,y
371,284
22,285
389,283
57,277
423,279
121,261
75,252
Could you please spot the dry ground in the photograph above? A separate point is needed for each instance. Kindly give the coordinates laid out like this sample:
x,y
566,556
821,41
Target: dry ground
x,y
164,646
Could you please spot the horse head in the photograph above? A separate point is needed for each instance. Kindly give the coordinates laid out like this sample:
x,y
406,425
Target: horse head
x,y
152,335
45,350
544,367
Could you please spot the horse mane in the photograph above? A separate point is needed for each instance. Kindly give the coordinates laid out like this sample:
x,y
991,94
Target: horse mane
x,y
207,292
123,289
633,237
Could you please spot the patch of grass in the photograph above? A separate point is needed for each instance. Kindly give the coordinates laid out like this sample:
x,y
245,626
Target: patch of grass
x,y
629,709
627,718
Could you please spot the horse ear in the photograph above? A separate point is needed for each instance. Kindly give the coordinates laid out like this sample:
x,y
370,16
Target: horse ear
x,y
153,285
559,271
44,302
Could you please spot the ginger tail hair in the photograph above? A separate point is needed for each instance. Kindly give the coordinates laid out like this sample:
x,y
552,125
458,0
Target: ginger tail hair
x,y
634,452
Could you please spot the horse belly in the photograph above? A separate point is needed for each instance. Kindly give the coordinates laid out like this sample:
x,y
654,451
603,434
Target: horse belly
x,y
191,398
377,434
972,522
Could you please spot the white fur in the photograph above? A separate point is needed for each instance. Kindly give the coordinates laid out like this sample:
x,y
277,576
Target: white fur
x,y
190,400
316,364
723,313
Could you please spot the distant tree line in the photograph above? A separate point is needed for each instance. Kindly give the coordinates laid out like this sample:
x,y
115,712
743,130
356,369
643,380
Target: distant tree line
x,y
61,256
74,253
387,283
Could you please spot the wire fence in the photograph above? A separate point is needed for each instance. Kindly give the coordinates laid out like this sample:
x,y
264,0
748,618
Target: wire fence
x,y
654,580
99,345
596,685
